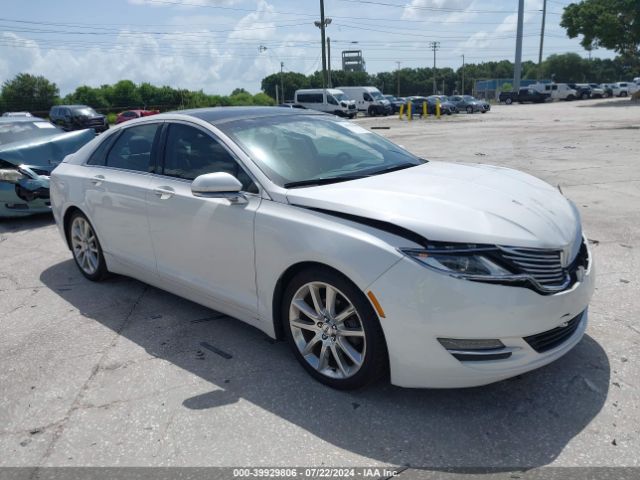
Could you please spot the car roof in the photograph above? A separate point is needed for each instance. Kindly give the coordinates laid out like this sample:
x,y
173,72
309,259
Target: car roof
x,y
219,115
21,119
72,106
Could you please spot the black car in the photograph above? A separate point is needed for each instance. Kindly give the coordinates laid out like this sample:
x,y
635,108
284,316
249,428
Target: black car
x,y
583,91
446,108
524,95
78,117
396,102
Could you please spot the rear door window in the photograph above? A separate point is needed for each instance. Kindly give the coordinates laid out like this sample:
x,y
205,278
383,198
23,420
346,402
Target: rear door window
x,y
133,148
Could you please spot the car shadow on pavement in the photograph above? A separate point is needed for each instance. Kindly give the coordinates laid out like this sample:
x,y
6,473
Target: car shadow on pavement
x,y
519,423
620,102
19,224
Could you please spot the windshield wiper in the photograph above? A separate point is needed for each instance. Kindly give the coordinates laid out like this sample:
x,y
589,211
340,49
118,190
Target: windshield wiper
x,y
402,166
322,181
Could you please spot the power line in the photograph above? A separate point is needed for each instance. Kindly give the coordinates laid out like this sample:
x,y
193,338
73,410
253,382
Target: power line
x,y
431,9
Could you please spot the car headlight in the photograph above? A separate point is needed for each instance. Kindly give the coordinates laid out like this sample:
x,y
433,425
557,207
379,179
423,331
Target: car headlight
x,y
10,175
466,262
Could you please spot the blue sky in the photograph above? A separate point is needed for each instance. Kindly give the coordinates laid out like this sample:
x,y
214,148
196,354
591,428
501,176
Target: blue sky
x,y
214,45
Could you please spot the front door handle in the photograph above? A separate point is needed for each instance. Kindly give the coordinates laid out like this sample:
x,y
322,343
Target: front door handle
x,y
97,180
164,192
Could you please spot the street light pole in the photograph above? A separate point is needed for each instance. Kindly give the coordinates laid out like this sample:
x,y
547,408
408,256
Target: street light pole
x,y
322,34
329,62
398,76
322,24
434,46
517,71
282,81
544,16
462,74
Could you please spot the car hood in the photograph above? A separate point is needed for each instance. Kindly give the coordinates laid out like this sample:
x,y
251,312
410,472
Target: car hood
x,y
45,152
455,203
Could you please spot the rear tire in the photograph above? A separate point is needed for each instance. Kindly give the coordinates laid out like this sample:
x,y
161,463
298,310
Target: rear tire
x,y
333,330
623,94
86,248
508,101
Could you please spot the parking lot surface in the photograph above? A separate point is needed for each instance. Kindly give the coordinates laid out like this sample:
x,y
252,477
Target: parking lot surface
x,y
122,374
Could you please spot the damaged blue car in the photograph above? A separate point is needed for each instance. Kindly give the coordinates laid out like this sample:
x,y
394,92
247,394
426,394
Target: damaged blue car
x,y
30,148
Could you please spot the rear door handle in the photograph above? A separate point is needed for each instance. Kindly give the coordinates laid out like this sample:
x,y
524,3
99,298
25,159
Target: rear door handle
x,y
97,180
164,192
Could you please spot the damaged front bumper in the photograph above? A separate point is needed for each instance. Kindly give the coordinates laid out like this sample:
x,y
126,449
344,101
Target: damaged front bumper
x,y
23,191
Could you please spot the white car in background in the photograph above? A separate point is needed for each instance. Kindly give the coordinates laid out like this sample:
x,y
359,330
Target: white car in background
x,y
624,89
364,257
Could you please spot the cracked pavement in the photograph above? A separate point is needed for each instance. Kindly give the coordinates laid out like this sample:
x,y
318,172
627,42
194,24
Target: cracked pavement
x,y
116,374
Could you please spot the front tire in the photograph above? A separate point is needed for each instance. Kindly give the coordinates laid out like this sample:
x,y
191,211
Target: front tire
x,y
332,330
469,109
508,101
86,248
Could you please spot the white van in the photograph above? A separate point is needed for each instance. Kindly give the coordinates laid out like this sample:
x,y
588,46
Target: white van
x,y
558,91
329,100
623,89
369,100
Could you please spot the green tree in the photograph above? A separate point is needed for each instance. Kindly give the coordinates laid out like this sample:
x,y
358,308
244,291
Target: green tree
x,y
262,99
87,96
567,67
612,24
29,92
124,94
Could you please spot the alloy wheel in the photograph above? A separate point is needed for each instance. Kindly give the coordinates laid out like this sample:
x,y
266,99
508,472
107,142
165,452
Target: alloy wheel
x,y
327,330
84,244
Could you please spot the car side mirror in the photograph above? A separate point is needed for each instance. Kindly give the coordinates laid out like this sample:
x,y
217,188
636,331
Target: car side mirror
x,y
217,185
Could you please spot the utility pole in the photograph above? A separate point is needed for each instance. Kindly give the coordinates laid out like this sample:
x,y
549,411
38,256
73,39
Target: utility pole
x,y
517,71
329,61
544,16
435,46
462,89
398,77
322,24
282,81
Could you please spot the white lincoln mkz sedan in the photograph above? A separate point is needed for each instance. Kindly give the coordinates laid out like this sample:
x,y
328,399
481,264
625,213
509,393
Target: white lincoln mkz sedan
x,y
367,259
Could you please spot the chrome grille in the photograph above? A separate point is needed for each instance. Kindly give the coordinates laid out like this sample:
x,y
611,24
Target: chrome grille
x,y
544,266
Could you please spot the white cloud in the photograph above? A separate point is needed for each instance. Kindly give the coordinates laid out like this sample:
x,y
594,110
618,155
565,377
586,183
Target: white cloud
x,y
196,59
418,9
183,3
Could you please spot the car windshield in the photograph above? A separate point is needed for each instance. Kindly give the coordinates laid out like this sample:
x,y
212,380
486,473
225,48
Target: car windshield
x,y
307,150
340,97
23,131
376,94
85,111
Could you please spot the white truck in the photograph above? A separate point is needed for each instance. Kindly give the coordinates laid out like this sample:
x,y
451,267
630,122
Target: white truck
x,y
369,100
329,100
558,91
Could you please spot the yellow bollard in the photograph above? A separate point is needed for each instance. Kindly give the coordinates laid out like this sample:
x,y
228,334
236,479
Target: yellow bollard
x,y
437,108
409,111
425,112
401,112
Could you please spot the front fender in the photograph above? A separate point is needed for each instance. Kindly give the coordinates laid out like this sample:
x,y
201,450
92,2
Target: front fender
x,y
286,235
